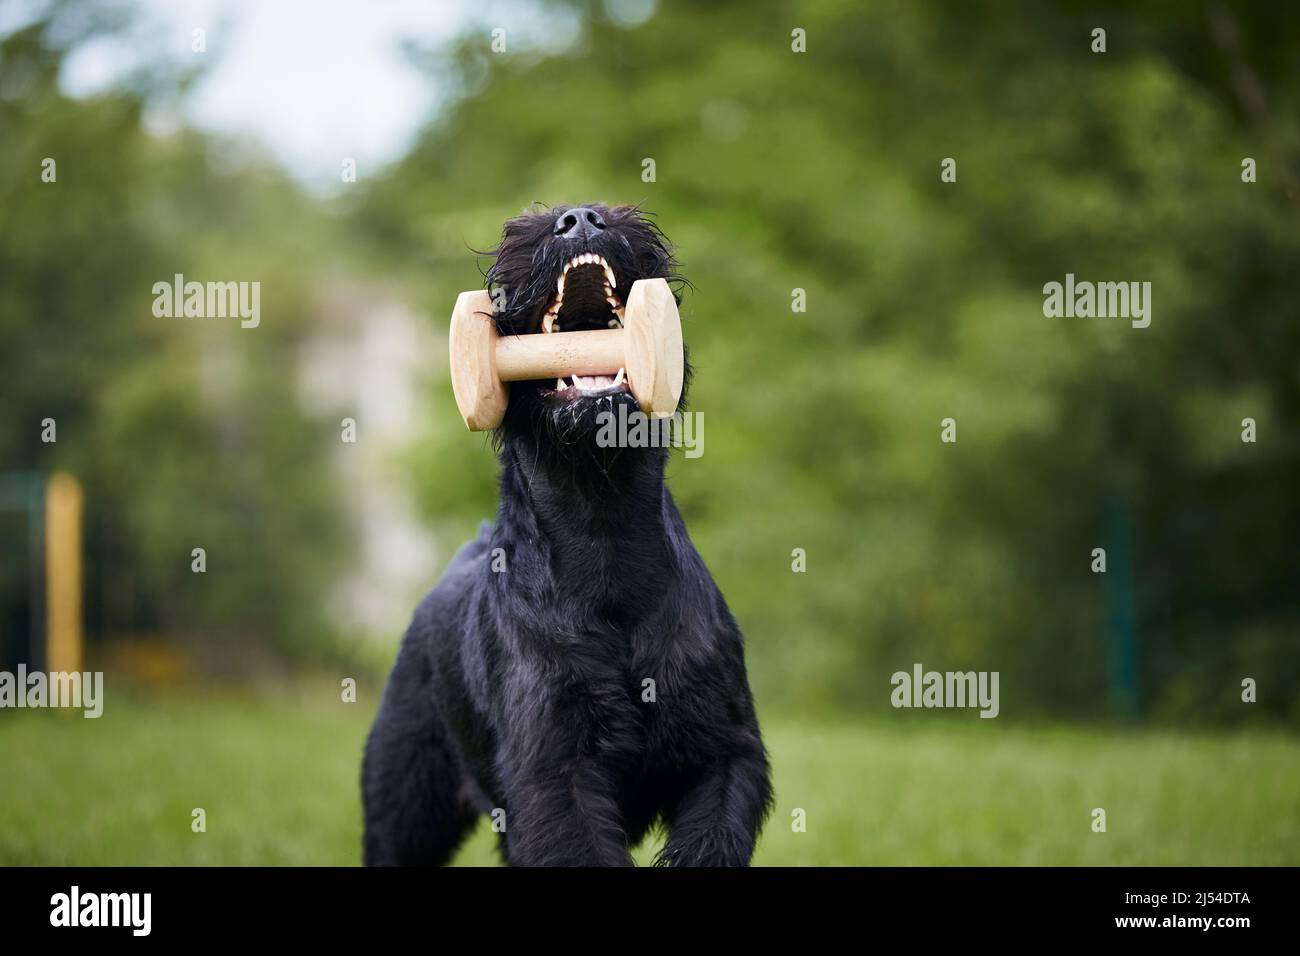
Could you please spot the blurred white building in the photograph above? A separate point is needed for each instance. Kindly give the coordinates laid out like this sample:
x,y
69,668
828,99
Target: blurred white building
x,y
370,363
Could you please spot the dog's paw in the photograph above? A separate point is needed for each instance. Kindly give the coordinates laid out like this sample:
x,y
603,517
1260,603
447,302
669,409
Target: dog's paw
x,y
707,848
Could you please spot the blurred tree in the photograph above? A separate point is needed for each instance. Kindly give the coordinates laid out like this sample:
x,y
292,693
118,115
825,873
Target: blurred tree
x,y
820,171
184,433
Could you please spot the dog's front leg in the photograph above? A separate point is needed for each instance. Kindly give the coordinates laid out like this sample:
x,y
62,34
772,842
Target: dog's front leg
x,y
717,819
564,815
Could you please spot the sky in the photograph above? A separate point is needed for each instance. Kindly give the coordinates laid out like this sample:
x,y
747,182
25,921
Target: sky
x,y
315,81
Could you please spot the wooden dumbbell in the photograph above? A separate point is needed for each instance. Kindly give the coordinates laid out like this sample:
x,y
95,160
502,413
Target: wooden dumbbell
x,y
648,348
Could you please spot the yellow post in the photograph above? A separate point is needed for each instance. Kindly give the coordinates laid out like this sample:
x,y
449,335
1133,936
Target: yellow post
x,y
63,573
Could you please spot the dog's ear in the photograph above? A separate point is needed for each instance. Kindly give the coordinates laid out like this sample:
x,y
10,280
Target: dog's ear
x,y
655,250
534,222
519,237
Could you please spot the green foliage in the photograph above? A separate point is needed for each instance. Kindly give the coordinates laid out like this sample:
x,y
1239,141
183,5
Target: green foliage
x,y
820,171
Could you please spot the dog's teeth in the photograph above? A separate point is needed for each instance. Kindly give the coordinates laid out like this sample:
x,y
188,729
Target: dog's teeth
x,y
618,379
614,324
559,384
609,274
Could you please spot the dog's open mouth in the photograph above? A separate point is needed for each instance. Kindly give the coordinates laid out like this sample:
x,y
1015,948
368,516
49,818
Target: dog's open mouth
x,y
586,297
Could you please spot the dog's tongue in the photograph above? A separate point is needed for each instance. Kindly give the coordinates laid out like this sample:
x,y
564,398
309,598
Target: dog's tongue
x,y
591,382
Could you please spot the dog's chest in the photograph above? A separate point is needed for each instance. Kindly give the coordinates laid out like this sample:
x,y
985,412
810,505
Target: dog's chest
x,y
647,698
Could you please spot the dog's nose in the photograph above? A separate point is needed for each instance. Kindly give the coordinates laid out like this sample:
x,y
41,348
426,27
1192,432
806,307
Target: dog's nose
x,y
578,223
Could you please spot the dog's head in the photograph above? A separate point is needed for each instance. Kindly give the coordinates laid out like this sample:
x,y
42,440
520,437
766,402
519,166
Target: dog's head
x,y
567,269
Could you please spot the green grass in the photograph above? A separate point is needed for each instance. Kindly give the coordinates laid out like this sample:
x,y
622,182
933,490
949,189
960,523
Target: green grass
x,y
278,780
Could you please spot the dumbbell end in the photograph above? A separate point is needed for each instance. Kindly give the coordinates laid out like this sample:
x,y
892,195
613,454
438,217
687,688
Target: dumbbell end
x,y
480,394
653,350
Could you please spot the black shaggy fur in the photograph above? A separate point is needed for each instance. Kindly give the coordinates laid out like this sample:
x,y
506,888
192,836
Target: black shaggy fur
x,y
521,693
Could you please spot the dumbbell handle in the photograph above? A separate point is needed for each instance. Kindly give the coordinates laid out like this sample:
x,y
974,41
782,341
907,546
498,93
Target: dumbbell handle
x,y
522,358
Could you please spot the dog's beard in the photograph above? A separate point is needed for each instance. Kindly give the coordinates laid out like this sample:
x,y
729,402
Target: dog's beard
x,y
544,416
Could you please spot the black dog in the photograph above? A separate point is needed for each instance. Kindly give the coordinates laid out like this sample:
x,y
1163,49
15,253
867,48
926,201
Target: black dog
x,y
586,680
